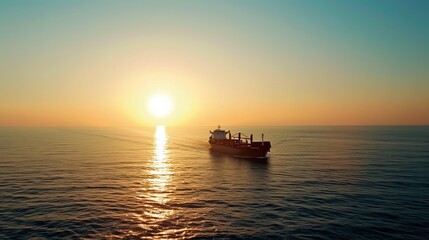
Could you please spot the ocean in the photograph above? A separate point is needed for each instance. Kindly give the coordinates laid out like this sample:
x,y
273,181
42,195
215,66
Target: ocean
x,y
340,182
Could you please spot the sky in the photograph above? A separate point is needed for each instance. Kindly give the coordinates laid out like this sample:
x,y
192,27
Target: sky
x,y
96,63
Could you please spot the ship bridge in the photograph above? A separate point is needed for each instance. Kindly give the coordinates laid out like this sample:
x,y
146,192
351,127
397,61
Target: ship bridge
x,y
219,133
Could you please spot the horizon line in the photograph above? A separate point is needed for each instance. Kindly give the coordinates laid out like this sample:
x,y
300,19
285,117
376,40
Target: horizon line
x,y
234,125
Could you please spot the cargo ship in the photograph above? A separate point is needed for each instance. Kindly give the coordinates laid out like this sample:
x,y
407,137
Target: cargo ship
x,y
238,145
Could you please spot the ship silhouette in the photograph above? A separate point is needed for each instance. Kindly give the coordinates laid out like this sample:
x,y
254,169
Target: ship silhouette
x,y
238,145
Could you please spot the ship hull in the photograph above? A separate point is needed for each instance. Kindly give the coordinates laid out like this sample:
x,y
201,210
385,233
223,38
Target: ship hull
x,y
243,152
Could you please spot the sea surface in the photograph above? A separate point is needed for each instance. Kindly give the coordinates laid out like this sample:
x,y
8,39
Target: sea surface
x,y
164,183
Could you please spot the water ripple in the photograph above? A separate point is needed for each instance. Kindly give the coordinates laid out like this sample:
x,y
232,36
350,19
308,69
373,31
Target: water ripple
x,y
319,183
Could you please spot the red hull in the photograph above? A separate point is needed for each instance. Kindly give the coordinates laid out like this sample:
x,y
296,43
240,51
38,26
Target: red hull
x,y
251,150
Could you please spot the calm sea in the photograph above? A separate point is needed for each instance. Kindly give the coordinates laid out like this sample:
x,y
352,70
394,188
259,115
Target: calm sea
x,y
133,183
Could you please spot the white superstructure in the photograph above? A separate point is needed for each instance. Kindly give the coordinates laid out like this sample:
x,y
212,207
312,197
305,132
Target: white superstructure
x,y
219,133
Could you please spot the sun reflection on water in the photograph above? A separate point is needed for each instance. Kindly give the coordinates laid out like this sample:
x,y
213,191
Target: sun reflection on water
x,y
160,176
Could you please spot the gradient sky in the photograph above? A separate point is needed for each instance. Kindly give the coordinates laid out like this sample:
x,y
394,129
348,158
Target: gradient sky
x,y
79,63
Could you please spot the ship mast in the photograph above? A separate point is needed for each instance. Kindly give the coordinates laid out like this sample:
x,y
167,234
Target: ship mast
x,y
262,139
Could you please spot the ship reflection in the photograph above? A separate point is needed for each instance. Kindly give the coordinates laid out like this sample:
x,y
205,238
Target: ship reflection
x,y
160,176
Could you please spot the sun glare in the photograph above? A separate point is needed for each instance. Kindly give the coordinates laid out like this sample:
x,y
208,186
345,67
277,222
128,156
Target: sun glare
x,y
160,106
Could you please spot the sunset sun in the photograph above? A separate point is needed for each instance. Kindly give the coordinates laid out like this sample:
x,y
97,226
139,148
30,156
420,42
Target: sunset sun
x,y
160,105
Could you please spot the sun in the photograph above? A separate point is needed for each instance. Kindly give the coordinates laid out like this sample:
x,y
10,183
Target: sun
x,y
160,105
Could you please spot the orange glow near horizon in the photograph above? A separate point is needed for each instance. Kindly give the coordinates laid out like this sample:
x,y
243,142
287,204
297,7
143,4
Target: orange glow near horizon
x,y
271,65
